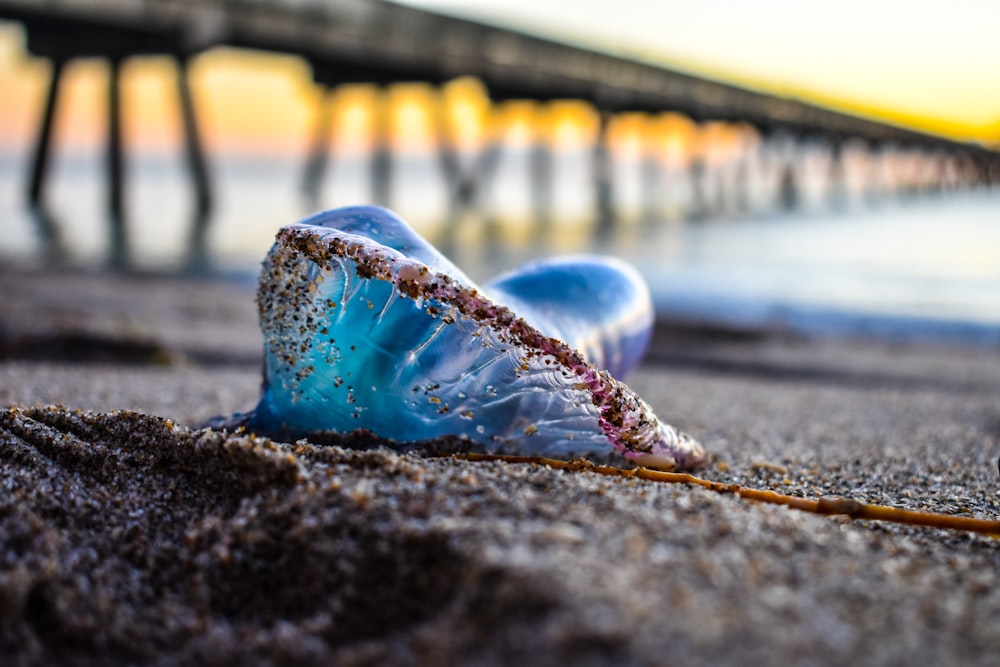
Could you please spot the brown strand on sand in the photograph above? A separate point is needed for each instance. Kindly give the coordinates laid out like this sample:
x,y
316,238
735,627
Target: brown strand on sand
x,y
826,506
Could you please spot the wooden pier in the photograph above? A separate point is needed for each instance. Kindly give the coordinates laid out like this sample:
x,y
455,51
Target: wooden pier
x,y
372,41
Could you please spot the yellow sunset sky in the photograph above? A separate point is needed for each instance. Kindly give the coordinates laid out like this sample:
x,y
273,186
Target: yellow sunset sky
x,y
932,66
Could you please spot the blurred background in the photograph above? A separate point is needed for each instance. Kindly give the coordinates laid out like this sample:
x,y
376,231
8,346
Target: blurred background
x,y
766,165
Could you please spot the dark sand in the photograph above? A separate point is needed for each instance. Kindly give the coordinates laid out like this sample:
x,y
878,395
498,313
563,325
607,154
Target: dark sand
x,y
130,539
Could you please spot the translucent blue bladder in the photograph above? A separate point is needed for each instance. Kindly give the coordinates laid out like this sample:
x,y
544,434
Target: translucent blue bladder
x,y
366,325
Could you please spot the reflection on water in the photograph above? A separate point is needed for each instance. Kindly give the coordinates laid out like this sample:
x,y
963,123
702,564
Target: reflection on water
x,y
927,268
925,265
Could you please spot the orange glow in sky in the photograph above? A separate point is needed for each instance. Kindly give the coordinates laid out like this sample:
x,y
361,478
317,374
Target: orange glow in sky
x,y
515,122
254,102
571,124
245,101
677,138
413,121
353,119
467,113
265,103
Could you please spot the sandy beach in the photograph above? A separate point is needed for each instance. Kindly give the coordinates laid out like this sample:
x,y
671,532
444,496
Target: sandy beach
x,y
131,537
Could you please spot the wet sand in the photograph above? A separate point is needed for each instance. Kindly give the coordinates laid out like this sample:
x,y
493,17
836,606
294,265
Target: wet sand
x,y
133,539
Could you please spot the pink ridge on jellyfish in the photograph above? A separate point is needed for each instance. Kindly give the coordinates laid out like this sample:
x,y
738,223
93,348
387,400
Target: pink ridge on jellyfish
x,y
367,326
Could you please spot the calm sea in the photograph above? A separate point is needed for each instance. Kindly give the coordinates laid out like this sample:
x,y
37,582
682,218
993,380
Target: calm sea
x,y
924,267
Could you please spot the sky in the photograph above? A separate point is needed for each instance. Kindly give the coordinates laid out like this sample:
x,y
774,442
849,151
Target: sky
x,y
929,65
934,65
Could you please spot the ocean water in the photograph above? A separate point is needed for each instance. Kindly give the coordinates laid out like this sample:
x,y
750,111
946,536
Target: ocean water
x,y
918,269
923,267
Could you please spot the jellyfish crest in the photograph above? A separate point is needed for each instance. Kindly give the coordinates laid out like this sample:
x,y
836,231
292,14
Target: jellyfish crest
x,y
388,230
367,326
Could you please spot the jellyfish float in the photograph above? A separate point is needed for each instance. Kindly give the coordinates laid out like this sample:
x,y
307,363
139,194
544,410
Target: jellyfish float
x,y
367,326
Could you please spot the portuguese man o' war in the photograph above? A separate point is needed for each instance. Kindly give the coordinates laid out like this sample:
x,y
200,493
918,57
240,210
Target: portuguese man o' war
x,y
367,326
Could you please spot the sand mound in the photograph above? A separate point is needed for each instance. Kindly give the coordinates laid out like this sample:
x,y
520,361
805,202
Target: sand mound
x,y
128,539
